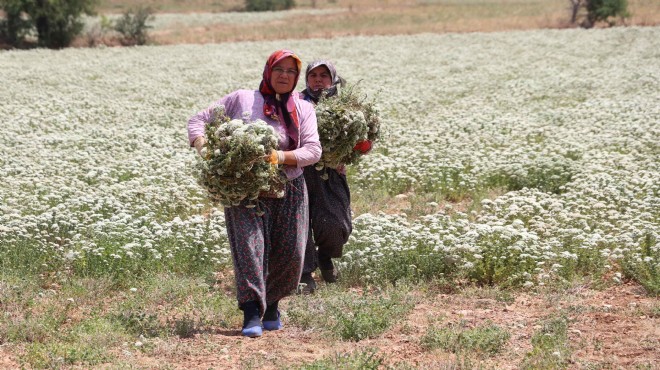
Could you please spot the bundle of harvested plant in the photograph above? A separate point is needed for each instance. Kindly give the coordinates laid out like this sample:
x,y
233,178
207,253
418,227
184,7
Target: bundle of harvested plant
x,y
232,167
345,120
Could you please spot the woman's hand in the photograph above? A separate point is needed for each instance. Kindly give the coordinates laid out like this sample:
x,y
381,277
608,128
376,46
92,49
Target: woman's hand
x,y
275,157
199,145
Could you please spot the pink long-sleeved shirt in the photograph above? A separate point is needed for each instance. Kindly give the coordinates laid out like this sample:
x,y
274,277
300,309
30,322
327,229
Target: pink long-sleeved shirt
x,y
250,103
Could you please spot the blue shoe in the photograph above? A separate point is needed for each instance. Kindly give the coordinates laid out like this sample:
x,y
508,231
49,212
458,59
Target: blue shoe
x,y
275,324
251,319
252,332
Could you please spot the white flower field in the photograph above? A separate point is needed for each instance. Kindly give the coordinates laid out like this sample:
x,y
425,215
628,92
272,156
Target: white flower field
x,y
551,137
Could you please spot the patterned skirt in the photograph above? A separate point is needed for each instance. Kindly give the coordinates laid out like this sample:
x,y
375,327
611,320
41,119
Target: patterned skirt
x,y
268,249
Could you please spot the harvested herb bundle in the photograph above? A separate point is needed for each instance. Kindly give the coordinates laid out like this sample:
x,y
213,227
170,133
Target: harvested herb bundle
x,y
233,168
343,121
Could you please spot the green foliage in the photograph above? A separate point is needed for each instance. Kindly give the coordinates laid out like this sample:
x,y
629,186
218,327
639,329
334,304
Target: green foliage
x,y
352,316
133,26
268,5
550,346
605,11
456,338
186,327
416,261
140,323
55,355
85,343
13,28
359,360
643,266
57,22
546,174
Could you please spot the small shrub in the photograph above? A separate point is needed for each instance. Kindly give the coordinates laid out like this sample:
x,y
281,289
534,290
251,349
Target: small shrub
x,y
362,360
550,346
455,338
268,5
133,26
599,11
56,355
98,33
140,323
185,327
351,316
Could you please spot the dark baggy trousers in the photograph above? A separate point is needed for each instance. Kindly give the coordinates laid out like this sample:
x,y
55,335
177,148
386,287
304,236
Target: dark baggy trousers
x,y
329,215
268,250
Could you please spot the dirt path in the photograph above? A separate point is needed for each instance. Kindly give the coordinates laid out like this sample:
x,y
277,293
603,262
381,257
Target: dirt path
x,y
615,328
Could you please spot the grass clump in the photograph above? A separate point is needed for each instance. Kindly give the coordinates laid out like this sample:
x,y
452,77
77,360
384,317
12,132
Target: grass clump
x,y
350,315
456,338
550,346
359,360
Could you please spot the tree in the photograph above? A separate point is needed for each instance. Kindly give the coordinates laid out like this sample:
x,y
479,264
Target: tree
x,y
598,11
268,5
604,10
13,28
57,22
575,9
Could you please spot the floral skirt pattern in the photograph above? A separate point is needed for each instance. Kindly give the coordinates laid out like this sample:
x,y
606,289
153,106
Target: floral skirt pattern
x,y
329,214
268,249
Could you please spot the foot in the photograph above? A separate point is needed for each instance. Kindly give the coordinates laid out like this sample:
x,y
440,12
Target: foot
x,y
252,332
307,284
251,320
330,276
271,319
329,272
275,324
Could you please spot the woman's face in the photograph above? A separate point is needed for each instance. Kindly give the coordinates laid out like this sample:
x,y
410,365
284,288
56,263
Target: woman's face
x,y
319,78
284,75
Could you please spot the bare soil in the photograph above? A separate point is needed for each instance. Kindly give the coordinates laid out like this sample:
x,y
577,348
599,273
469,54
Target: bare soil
x,y
617,328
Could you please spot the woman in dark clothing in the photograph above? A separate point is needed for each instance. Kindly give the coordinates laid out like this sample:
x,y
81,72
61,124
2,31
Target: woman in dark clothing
x,y
330,199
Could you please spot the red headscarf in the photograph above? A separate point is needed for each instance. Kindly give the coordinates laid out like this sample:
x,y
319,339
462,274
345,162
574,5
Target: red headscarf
x,y
287,105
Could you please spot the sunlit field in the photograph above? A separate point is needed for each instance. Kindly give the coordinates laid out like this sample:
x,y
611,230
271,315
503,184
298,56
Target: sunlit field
x,y
516,160
206,21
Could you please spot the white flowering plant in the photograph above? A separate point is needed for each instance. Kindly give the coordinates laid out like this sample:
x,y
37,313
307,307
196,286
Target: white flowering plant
x,y
344,121
232,167
561,179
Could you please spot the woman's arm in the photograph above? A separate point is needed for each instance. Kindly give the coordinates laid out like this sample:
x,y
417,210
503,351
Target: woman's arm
x,y
196,125
309,150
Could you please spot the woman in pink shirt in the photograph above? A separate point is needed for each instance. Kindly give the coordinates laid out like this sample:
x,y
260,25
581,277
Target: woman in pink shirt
x,y
268,249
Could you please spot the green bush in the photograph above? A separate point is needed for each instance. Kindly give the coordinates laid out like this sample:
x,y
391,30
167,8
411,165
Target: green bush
x,y
14,27
268,5
133,26
605,11
56,23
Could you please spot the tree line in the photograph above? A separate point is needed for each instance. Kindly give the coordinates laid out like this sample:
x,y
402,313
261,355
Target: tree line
x,y
56,23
